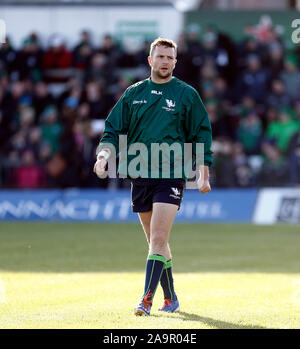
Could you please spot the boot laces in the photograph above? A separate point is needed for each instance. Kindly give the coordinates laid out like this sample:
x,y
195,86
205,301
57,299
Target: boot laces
x,y
167,302
147,300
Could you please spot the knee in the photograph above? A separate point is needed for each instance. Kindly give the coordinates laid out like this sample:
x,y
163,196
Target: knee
x,y
158,239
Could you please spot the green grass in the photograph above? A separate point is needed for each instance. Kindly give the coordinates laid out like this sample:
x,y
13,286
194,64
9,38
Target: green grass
x,y
63,275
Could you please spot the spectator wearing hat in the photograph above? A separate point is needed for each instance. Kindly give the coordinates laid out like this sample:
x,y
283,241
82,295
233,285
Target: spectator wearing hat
x,y
253,81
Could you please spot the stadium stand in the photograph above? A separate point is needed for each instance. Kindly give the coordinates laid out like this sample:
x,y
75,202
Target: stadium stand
x,y
54,100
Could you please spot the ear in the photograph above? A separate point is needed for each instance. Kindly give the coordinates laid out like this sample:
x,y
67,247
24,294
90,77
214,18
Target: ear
x,y
150,61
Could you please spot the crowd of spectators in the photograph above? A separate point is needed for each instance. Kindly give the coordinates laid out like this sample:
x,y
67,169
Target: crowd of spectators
x,y
54,100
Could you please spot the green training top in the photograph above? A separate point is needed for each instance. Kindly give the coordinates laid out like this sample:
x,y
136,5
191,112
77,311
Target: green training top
x,y
150,113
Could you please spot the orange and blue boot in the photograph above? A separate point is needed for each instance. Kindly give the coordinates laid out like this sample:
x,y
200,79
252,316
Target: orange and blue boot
x,y
144,307
170,306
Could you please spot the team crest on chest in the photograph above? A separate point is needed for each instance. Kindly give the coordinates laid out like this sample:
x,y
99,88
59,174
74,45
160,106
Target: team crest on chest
x,y
170,105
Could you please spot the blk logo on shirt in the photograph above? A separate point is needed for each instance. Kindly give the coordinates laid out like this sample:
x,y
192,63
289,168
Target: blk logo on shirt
x,y
156,92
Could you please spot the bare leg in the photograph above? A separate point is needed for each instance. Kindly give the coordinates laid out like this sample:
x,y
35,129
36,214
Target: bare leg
x,y
163,215
157,225
145,219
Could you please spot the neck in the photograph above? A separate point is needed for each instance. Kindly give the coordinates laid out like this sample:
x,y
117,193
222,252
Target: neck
x,y
159,80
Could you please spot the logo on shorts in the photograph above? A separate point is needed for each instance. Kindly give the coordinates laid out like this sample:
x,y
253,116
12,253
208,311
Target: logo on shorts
x,y
176,194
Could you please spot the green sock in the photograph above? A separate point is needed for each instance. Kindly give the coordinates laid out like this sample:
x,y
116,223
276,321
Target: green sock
x,y
167,281
154,268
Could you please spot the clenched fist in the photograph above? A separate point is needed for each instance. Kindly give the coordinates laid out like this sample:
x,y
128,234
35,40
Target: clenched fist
x,y
99,167
203,181
203,186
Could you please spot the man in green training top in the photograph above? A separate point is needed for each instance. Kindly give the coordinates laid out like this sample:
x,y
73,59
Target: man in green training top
x,y
159,110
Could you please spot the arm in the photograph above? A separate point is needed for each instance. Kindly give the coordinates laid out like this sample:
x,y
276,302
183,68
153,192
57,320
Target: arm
x,y
116,123
203,181
198,129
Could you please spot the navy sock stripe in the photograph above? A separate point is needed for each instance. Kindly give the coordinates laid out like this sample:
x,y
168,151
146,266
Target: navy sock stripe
x,y
169,286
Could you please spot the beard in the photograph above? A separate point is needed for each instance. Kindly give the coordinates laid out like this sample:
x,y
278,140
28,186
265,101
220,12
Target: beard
x,y
161,76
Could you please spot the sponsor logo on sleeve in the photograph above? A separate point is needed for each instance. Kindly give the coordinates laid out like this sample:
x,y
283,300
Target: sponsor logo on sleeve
x,y
142,101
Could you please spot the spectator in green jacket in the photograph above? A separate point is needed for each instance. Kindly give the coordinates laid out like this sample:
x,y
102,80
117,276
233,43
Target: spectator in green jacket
x,y
282,130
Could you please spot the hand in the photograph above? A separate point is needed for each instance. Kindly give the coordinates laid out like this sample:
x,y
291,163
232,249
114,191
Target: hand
x,y
99,167
203,186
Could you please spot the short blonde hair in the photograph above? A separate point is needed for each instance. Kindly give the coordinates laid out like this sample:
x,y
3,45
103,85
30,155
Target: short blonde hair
x,y
163,42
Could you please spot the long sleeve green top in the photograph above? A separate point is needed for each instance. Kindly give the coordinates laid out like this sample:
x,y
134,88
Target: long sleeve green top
x,y
149,113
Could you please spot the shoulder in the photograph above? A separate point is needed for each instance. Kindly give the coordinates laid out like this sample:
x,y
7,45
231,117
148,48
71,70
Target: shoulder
x,y
138,86
188,90
190,95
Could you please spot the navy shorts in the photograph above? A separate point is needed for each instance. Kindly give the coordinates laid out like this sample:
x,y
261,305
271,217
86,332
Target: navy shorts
x,y
146,191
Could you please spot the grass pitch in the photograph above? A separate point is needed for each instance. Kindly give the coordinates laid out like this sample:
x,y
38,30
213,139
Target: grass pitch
x,y
63,275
